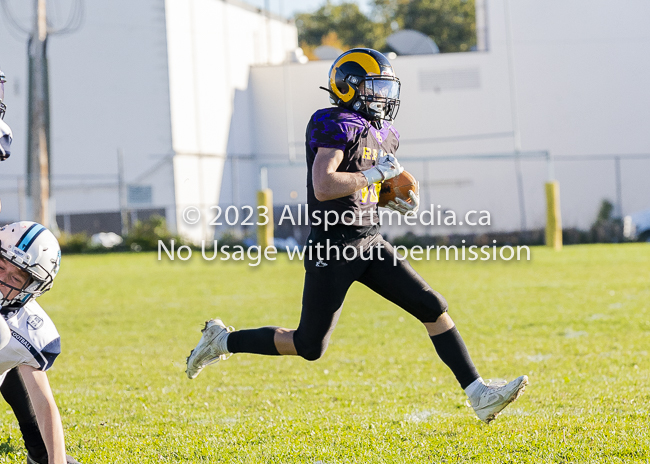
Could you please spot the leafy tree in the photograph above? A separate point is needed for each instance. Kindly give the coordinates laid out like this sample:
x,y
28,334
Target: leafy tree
x,y
342,25
331,39
450,23
607,228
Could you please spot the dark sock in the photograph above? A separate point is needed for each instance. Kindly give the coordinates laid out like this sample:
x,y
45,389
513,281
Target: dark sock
x,y
256,341
453,352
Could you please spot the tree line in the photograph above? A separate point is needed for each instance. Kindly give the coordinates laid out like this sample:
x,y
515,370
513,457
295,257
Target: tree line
x,y
450,23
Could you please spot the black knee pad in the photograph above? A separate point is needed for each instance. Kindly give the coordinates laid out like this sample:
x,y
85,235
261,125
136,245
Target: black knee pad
x,y
309,351
312,354
442,303
431,306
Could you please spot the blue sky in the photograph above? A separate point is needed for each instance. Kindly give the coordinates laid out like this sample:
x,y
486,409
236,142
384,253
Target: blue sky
x,y
289,7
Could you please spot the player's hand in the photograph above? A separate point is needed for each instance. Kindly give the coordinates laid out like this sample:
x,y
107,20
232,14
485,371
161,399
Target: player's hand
x,y
389,167
386,168
404,207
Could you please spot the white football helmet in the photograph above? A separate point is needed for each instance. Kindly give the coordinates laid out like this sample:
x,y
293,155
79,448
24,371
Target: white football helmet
x,y
34,249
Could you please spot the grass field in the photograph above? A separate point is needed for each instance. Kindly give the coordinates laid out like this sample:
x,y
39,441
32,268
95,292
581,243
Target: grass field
x,y
576,322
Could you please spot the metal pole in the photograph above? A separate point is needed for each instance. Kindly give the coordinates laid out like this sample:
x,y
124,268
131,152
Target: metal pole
x,y
264,178
38,156
267,7
520,191
550,166
265,200
619,186
22,215
515,115
122,192
511,72
235,182
481,26
288,112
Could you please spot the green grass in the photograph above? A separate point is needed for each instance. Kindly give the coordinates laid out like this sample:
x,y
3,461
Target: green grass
x,y
576,322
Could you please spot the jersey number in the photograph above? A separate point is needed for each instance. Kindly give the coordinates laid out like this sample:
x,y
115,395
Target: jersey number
x,y
370,194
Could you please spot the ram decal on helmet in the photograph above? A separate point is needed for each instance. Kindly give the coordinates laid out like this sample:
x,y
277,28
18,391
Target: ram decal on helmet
x,y
363,80
34,249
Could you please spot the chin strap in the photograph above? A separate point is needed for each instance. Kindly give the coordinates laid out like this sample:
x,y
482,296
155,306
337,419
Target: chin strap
x,y
332,94
377,122
10,308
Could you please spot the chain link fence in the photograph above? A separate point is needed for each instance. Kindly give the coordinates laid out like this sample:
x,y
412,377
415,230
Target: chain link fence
x,y
510,186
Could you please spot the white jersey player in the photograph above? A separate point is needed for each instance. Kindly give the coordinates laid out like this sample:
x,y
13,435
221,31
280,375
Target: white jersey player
x,y
33,339
30,258
29,343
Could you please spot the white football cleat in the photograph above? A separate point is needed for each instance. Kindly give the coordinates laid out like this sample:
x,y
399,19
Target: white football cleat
x,y
211,348
489,400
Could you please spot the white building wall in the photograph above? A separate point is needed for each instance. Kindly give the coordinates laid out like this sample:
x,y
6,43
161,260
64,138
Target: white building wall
x,y
109,90
211,46
158,79
582,86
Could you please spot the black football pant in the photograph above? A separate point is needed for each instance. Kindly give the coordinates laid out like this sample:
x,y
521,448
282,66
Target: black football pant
x,y
327,281
326,286
15,393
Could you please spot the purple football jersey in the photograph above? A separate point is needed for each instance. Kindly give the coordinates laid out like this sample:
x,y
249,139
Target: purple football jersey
x,y
361,144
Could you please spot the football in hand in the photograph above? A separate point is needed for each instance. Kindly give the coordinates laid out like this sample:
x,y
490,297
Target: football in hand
x,y
397,187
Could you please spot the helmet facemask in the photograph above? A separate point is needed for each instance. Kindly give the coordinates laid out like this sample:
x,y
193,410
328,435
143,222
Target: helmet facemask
x,y
378,97
12,294
39,282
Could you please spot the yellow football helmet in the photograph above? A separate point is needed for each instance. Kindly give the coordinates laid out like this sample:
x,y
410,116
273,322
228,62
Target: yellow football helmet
x,y
363,80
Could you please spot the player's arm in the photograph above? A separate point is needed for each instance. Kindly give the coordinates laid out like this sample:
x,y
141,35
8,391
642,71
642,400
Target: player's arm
x,y
47,413
330,184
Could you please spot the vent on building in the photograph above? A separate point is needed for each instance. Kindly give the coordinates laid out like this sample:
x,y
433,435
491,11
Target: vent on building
x,y
451,79
139,195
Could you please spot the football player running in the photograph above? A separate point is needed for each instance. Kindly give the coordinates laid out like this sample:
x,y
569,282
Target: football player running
x,y
350,151
29,343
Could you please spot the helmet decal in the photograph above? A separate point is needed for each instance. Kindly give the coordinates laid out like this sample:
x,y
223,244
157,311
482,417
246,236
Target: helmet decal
x,y
28,237
366,64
